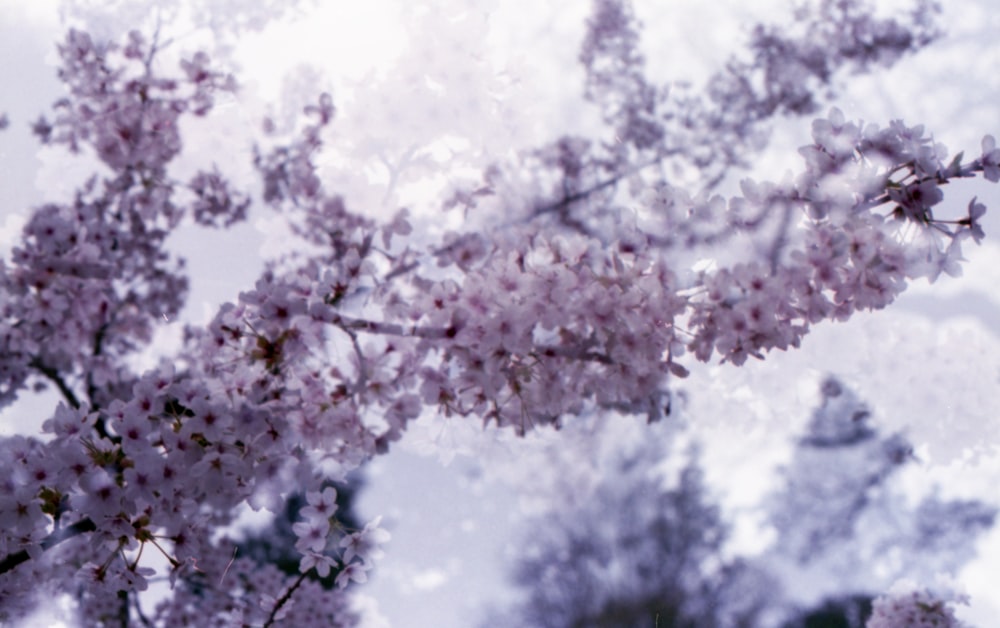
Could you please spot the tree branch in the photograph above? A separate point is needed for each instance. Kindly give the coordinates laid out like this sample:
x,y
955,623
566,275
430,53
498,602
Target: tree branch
x,y
283,600
53,375
80,527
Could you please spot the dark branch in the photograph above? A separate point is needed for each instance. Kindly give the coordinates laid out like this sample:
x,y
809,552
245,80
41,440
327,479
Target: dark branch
x,y
53,375
80,527
283,600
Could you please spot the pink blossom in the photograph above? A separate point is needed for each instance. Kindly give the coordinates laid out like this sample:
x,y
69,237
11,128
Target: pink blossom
x,y
321,505
365,544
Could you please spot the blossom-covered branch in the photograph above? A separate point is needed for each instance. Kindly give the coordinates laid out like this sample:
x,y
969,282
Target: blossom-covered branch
x,y
325,361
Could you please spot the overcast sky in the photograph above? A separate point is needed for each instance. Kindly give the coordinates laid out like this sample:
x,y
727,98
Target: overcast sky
x,y
928,365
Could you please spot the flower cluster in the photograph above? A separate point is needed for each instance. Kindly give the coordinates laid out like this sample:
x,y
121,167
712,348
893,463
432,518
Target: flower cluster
x,y
313,536
919,609
863,190
137,464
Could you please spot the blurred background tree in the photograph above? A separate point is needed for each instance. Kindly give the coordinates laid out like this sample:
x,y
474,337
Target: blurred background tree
x,y
649,547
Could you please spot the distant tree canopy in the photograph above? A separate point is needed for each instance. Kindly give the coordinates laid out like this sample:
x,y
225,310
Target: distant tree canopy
x,y
646,550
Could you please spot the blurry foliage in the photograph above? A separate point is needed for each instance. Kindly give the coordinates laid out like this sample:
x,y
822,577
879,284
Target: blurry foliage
x,y
644,551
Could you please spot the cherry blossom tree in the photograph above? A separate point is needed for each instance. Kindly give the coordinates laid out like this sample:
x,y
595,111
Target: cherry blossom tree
x,y
570,288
